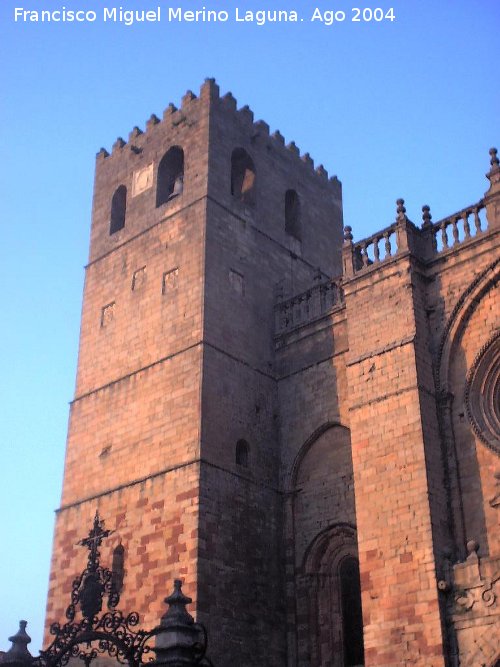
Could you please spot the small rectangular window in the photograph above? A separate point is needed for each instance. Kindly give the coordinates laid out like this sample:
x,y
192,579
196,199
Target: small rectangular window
x,y
170,281
138,278
237,282
107,314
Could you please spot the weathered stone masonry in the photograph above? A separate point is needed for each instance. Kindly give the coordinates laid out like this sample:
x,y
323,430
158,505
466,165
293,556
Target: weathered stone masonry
x,y
275,412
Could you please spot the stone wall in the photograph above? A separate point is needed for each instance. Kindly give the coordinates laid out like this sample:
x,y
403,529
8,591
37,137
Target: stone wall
x,y
260,409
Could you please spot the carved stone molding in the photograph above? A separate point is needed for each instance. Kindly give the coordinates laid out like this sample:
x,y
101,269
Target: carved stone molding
x,y
475,580
484,650
482,394
475,610
495,501
465,306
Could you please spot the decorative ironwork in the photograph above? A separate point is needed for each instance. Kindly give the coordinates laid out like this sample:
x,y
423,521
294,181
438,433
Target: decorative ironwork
x,y
89,588
113,633
179,641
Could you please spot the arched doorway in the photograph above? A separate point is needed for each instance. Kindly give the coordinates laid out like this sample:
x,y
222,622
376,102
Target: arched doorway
x,y
328,618
330,627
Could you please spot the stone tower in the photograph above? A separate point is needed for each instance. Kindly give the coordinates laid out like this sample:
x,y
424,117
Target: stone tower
x,y
199,223
302,426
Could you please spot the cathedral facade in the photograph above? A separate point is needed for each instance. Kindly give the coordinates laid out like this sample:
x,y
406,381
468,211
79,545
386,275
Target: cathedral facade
x,y
303,427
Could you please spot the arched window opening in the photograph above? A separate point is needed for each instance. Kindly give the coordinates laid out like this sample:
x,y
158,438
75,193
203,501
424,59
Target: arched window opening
x,y
118,568
243,177
118,209
170,175
352,618
242,453
292,214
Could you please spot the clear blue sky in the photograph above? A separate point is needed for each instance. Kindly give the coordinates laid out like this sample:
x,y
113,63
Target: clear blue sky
x,y
407,108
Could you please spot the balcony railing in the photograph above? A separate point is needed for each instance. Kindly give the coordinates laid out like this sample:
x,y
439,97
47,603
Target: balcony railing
x,y
308,306
457,228
426,242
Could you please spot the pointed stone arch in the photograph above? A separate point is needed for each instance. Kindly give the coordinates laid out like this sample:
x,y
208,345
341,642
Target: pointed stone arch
x,y
447,355
321,523
461,314
292,476
322,623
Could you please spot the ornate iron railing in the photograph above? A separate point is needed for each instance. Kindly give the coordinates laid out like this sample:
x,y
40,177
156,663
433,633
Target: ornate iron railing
x,y
178,640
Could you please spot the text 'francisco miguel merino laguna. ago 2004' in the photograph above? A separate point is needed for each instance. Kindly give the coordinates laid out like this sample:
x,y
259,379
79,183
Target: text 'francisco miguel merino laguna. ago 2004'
x,y
160,14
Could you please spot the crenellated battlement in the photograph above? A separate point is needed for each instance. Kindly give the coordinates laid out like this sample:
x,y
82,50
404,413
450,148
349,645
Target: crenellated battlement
x,y
172,116
209,91
211,146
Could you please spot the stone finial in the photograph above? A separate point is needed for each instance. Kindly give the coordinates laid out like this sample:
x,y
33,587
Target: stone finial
x,y
472,560
102,153
176,635
492,196
18,653
292,146
177,602
349,255
472,548
401,210
426,216
348,237
179,640
494,161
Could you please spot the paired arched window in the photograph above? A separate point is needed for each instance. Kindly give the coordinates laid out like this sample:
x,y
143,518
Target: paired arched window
x,y
170,180
352,617
118,209
243,176
292,214
242,453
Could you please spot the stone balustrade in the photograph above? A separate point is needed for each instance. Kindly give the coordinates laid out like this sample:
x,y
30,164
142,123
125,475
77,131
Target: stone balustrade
x,y
308,306
456,228
426,242
429,241
376,248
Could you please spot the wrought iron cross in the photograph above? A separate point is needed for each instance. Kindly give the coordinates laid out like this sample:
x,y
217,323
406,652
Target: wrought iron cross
x,y
94,540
